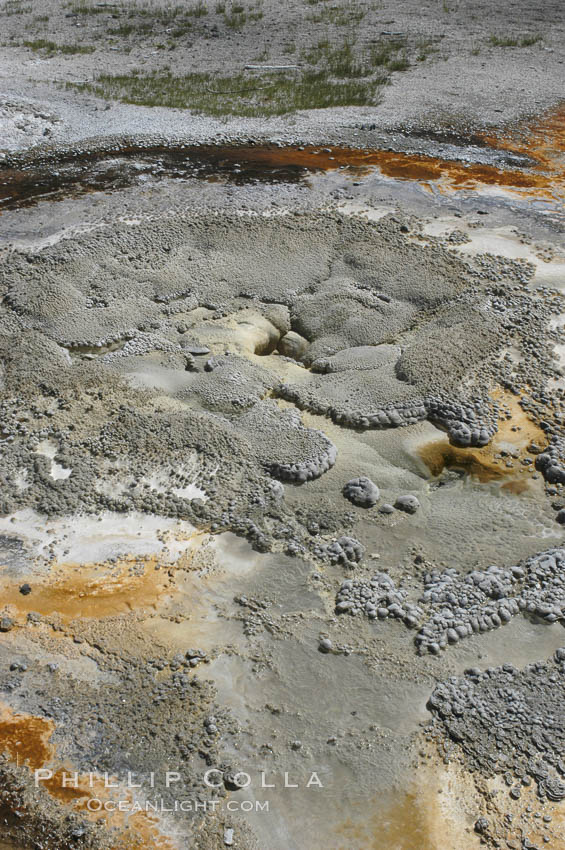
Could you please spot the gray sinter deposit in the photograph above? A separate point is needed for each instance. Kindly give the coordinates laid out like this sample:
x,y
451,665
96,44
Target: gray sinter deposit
x,y
79,316
257,375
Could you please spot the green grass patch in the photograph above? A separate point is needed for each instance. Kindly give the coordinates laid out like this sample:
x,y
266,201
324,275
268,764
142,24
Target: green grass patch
x,y
133,28
51,47
181,29
401,63
240,94
343,62
514,41
85,8
236,15
425,47
144,19
235,20
165,14
15,7
528,40
339,16
198,10
503,41
348,61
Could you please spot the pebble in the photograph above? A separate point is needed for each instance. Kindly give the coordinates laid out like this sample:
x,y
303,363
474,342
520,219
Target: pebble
x,y
362,492
408,503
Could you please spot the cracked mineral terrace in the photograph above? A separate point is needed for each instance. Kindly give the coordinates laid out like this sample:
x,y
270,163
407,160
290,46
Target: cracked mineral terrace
x,y
282,443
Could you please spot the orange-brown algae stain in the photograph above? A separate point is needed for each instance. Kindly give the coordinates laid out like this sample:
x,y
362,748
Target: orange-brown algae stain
x,y
92,590
146,835
399,166
25,740
482,462
542,139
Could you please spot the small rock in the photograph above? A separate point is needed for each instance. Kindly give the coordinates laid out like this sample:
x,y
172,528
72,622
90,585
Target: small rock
x,y
361,492
292,345
409,504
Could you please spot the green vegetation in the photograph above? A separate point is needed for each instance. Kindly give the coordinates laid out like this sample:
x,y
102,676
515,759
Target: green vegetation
x,y
165,14
240,94
528,40
333,75
350,62
514,41
137,28
390,54
503,41
399,64
181,29
144,19
198,10
425,47
15,7
51,47
339,16
84,8
236,18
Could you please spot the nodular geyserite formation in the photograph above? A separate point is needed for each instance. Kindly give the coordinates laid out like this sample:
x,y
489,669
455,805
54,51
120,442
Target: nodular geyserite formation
x,y
275,378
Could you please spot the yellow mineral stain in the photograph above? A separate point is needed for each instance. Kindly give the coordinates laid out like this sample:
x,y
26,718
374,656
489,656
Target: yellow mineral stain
x,y
25,740
402,827
482,462
90,590
421,819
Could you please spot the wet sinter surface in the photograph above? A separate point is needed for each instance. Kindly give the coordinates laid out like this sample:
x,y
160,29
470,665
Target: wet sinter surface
x,y
539,174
